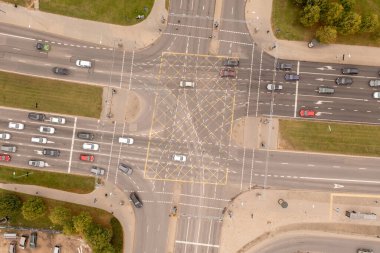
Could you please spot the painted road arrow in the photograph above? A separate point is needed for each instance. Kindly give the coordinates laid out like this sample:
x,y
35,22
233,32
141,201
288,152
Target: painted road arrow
x,y
336,186
322,79
326,68
319,102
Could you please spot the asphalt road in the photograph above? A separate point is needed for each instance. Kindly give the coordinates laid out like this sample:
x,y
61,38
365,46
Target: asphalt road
x,y
194,122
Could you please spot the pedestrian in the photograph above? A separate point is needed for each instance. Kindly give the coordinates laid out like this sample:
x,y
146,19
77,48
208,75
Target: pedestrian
x,y
343,57
106,195
94,200
251,215
267,31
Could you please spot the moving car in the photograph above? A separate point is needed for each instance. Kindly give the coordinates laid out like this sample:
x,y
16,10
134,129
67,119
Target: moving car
x,y
292,77
51,152
5,158
344,80
83,63
36,116
85,136
42,46
42,140
8,148
37,163
126,140
307,113
374,83
376,94
187,84
87,158
125,168
227,72
326,90
350,71
46,130
58,120
230,62
272,86
60,71
135,200
179,158
284,66
15,125
90,146
97,170
5,136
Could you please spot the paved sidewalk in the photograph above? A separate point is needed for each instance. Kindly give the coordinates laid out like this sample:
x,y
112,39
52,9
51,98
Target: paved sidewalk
x,y
132,37
258,17
111,203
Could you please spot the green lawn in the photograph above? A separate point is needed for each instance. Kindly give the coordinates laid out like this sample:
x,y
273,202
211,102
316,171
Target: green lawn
x,y
117,237
60,181
55,96
285,16
343,139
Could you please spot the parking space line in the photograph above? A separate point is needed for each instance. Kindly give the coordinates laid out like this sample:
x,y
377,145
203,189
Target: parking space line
x,y
72,144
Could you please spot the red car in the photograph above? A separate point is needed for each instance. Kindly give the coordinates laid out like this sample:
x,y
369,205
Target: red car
x,y
228,72
87,158
5,158
307,113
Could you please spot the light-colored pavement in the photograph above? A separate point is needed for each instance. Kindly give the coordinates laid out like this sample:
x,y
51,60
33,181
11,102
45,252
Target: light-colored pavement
x,y
111,203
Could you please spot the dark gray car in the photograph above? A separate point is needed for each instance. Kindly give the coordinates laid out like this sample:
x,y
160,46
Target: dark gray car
x,y
51,152
350,71
284,66
231,62
344,80
36,116
292,77
85,135
60,71
135,200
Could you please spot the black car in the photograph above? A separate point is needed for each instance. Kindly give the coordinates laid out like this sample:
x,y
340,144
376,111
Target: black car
x,y
231,62
60,71
135,200
85,136
36,116
350,71
51,152
344,80
292,77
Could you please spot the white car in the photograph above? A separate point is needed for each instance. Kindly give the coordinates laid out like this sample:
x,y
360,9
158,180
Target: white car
x,y
187,84
42,140
37,163
272,86
179,158
15,125
376,94
90,146
83,64
126,140
5,136
46,130
58,120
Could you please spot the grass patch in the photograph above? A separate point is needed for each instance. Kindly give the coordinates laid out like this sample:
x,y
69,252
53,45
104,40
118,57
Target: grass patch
x,y
285,16
167,4
55,96
60,181
343,139
121,12
117,236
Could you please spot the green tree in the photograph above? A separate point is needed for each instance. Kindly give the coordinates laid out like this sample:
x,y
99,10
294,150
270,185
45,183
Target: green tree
x,y
300,2
82,222
60,215
33,208
347,4
99,238
326,34
310,15
349,23
10,204
369,23
331,14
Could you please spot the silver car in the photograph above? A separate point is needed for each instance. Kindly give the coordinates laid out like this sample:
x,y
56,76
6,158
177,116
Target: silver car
x,y
46,130
376,94
5,136
36,163
125,168
374,83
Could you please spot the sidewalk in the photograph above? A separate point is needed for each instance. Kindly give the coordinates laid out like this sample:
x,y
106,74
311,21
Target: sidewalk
x,y
132,37
111,203
258,17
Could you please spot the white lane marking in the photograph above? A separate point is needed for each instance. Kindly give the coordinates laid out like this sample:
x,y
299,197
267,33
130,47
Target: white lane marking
x,y
130,76
258,86
110,154
18,49
296,97
122,70
310,165
197,244
336,166
16,36
209,236
362,168
341,179
187,232
284,163
232,11
72,144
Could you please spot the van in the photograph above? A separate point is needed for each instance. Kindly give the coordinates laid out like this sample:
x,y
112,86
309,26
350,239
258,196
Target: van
x,y
126,140
12,247
22,242
57,249
33,240
8,148
83,63
326,90
186,84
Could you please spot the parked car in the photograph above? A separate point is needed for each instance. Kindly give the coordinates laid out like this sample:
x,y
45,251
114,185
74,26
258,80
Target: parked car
x,y
8,148
344,80
23,241
83,63
274,87
307,113
85,136
125,168
12,247
87,158
58,120
187,84
5,158
291,77
43,46
135,200
5,136
60,71
364,251
37,163
374,83
126,140
46,130
97,170
230,62
376,95
90,146
33,240
36,116
57,249
51,152
350,71
41,140
179,158
284,66
227,72
15,125
326,90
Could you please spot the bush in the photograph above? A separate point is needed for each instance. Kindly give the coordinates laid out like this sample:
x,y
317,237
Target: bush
x,y
369,23
33,208
60,215
310,15
326,34
9,205
349,23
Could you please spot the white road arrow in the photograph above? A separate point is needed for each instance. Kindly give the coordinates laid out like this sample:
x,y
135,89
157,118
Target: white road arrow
x,y
326,68
322,79
336,186
319,102
320,113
